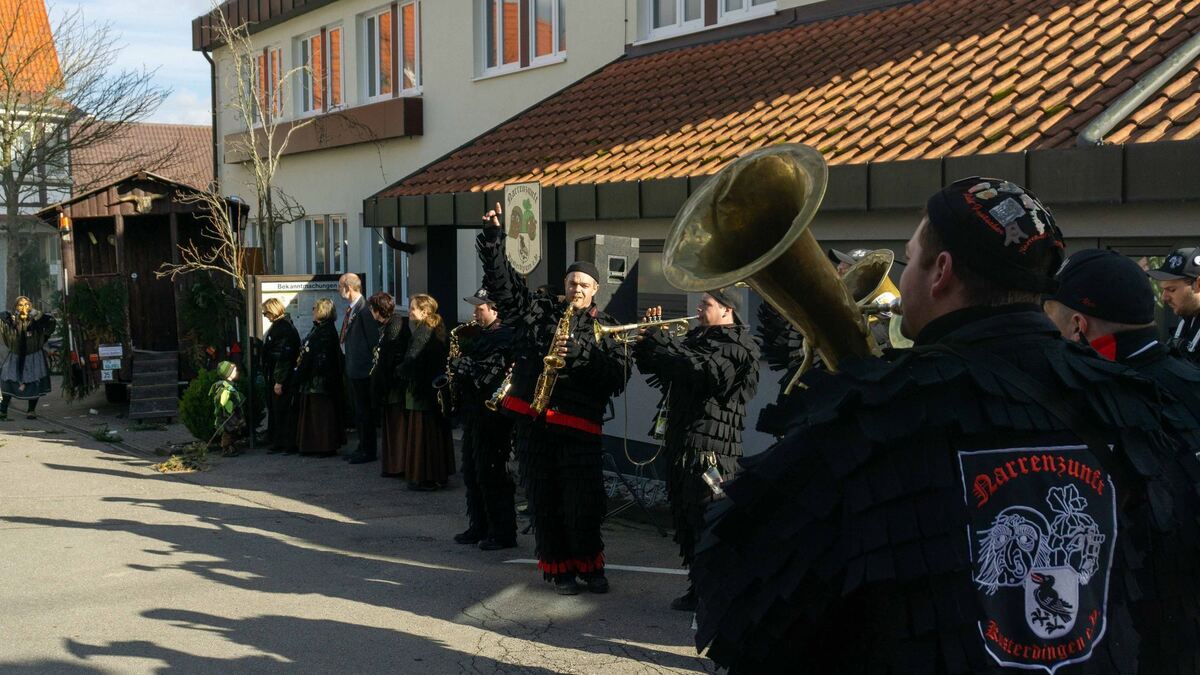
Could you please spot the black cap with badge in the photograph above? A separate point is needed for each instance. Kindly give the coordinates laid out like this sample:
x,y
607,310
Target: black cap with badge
x,y
479,298
1000,231
1182,263
1106,285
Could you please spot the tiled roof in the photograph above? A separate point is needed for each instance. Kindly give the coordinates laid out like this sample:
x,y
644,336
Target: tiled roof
x,y
145,147
27,45
926,79
1173,114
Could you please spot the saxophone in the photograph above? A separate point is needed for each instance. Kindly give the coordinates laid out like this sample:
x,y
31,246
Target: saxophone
x,y
447,395
501,392
551,364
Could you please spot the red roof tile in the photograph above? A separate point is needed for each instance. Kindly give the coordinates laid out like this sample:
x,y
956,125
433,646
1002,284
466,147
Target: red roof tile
x,y
180,152
27,45
928,79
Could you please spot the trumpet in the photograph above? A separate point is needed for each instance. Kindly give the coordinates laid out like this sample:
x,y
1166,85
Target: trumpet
x,y
628,333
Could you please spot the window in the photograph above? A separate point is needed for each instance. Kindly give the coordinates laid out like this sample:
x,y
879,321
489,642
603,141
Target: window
x,y
378,34
320,57
508,24
391,40
666,18
262,82
732,10
670,17
326,244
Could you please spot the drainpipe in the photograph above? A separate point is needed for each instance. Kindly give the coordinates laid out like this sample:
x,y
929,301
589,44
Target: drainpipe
x,y
1093,134
212,67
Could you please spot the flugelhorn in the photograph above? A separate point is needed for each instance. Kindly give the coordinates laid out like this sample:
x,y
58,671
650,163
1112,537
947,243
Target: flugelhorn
x,y
628,333
749,222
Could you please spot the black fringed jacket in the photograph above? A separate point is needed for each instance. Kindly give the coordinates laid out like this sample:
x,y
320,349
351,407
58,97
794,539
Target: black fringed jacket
x,y
26,338
319,368
916,509
594,372
387,387
482,366
710,374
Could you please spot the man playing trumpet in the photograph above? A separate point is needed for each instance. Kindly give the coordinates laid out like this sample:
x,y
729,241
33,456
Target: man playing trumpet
x,y
707,377
561,381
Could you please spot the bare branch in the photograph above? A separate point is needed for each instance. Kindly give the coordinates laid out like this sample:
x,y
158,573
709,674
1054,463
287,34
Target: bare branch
x,y
222,254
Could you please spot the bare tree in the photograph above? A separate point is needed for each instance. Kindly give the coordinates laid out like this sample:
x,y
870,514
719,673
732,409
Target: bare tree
x,y
257,91
59,93
220,250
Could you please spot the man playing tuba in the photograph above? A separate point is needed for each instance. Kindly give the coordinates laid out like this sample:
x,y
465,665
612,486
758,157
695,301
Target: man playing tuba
x,y
558,409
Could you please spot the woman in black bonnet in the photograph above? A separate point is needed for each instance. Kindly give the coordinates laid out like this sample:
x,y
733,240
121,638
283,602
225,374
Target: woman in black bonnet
x,y
26,372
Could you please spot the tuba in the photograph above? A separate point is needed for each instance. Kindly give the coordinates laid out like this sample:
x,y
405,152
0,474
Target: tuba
x,y
749,222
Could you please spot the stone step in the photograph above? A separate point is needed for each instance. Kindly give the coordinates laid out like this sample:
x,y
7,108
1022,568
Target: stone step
x,y
144,359
143,391
141,377
153,408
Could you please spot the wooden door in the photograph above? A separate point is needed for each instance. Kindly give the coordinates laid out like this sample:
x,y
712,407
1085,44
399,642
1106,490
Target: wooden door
x,y
152,322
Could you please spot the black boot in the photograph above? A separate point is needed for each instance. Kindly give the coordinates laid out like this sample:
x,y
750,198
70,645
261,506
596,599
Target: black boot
x,y
493,544
596,581
687,601
565,584
468,536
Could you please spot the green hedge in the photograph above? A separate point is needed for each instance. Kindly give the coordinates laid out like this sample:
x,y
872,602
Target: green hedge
x,y
196,408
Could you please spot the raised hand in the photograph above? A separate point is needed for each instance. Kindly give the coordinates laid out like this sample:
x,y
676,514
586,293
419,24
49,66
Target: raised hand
x,y
492,218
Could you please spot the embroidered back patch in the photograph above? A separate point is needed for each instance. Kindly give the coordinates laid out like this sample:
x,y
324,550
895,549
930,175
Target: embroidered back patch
x,y
1042,532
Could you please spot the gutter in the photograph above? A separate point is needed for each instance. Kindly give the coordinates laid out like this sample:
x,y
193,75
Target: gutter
x,y
389,236
1157,78
212,67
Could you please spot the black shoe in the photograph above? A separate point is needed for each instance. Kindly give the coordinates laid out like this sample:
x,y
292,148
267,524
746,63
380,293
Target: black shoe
x,y
565,584
490,544
31,416
468,537
274,451
596,582
685,602
360,459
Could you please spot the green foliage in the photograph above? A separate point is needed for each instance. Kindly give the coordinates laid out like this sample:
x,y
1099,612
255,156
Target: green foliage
x,y
196,409
99,311
193,457
106,435
208,309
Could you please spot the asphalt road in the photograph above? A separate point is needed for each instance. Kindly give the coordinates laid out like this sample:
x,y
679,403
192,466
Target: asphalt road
x,y
282,564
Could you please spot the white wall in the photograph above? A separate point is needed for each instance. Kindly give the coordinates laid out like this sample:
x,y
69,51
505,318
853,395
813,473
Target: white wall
x,y
457,105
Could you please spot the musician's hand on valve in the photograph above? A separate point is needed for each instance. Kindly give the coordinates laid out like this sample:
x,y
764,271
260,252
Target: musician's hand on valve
x,y
492,218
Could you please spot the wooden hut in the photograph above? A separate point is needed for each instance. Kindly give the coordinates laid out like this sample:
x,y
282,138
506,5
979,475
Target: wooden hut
x,y
120,234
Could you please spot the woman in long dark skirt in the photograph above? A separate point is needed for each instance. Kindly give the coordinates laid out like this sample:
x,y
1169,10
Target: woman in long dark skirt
x,y
281,346
387,388
428,446
319,374
25,374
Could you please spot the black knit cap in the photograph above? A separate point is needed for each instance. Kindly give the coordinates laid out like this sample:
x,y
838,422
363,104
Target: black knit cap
x,y
728,297
1000,231
585,267
1106,285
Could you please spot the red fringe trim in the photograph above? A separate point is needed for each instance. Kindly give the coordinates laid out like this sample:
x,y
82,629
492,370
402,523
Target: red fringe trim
x,y
575,565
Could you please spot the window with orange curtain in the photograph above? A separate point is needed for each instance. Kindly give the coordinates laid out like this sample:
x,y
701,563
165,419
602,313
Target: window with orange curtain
x,y
410,34
509,23
274,92
334,38
384,55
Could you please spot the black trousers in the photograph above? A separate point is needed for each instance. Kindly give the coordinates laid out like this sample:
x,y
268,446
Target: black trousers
x,y
491,509
563,476
364,415
281,419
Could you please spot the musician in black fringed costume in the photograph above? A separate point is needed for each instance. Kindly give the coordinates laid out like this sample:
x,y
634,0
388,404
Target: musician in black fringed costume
x,y
560,449
487,434
707,377
957,508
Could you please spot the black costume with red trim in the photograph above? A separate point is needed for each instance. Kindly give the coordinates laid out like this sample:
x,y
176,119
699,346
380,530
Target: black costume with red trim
x,y
559,451
707,378
487,435
854,544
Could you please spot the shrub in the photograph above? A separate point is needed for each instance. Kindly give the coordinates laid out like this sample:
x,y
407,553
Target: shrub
x,y
196,408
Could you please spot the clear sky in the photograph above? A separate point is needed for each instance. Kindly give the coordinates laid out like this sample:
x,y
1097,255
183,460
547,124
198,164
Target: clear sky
x,y
158,34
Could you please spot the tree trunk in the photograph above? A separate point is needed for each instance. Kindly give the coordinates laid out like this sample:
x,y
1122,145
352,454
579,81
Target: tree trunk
x,y
12,212
268,253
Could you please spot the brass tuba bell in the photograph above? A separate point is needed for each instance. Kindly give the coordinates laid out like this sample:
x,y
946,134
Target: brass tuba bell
x,y
749,222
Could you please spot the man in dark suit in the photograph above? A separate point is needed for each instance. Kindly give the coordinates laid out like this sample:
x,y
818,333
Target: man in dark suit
x,y
359,335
